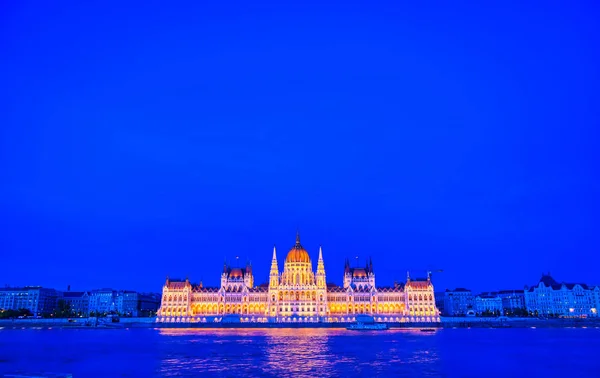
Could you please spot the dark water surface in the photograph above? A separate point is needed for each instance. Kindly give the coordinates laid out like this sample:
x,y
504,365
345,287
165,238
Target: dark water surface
x,y
302,352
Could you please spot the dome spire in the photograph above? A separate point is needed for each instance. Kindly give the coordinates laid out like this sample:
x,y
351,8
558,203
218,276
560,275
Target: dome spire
x,y
297,253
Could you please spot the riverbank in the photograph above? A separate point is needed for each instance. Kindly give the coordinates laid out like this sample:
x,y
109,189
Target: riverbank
x,y
504,322
446,322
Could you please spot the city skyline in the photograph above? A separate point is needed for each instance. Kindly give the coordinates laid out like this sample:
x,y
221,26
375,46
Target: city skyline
x,y
390,275
238,261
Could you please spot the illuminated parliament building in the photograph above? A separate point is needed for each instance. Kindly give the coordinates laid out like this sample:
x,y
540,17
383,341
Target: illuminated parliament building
x,y
298,294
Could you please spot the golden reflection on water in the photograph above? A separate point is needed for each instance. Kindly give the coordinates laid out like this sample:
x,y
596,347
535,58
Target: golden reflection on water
x,y
295,352
298,351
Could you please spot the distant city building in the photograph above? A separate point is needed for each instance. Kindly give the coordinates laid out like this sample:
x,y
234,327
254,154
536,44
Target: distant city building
x,y
127,303
596,300
78,301
458,302
149,303
37,300
513,301
40,301
488,303
440,297
549,297
103,301
298,295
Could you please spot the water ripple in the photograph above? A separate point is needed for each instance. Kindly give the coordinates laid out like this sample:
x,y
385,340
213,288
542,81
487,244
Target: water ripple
x,y
299,352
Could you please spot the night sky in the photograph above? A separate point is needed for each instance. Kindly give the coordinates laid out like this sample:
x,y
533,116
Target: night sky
x,y
157,139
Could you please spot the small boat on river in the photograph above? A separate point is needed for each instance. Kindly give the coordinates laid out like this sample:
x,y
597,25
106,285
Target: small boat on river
x,y
367,323
358,326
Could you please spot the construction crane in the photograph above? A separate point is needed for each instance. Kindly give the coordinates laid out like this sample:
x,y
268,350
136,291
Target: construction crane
x,y
428,271
434,271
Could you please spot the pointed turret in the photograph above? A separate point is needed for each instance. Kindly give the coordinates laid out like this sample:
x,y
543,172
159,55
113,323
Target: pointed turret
x,y
248,276
321,270
225,273
274,273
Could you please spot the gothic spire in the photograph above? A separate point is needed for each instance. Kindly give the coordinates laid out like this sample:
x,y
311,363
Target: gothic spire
x,y
274,267
321,270
274,273
320,264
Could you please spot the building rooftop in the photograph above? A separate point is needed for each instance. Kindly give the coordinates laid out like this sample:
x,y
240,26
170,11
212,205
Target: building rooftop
x,y
74,294
510,292
458,290
21,288
550,282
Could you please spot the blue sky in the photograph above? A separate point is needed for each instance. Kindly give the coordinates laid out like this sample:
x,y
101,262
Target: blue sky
x,y
149,139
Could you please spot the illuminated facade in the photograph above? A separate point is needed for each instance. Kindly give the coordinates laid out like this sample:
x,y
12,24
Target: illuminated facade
x,y
549,297
298,294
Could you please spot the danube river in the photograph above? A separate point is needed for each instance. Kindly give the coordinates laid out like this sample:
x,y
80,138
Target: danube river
x,y
477,352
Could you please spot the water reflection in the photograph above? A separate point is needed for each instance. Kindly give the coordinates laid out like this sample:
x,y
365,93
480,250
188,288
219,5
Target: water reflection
x,y
516,352
296,352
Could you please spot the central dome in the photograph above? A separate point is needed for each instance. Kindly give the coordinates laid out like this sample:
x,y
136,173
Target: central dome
x,y
297,254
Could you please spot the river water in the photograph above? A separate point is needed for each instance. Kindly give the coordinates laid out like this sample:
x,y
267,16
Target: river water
x,y
477,352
